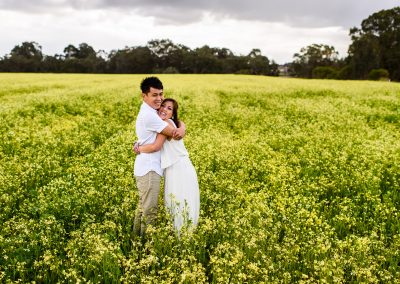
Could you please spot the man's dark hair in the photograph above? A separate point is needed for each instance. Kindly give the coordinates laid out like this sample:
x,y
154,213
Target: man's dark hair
x,y
150,82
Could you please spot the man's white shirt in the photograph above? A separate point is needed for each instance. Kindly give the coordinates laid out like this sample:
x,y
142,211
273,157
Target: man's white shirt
x,y
148,124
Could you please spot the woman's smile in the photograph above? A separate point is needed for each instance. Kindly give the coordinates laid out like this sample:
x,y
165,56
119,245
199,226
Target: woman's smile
x,y
166,110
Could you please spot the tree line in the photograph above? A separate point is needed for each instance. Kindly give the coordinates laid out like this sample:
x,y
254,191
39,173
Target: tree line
x,y
158,56
374,53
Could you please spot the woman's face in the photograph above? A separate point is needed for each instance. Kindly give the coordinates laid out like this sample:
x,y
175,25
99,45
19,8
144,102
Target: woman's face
x,y
166,110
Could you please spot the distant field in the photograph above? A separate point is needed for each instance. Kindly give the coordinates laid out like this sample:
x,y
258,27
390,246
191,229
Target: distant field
x,y
299,181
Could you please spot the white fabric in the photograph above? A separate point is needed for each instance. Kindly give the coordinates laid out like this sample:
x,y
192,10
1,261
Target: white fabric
x,y
148,124
171,152
181,194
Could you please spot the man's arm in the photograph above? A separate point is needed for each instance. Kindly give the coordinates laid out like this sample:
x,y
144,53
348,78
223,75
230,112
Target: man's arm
x,y
176,133
168,131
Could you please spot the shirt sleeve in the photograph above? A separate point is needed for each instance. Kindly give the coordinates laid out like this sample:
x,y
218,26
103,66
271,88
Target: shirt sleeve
x,y
154,123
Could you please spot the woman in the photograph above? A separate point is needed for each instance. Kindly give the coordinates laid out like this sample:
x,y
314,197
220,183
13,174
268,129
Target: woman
x,y
181,189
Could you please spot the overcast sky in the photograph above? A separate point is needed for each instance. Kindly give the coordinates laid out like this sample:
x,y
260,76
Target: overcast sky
x,y
278,28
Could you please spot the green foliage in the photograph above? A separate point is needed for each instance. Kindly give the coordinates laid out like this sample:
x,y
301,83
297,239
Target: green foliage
x,y
28,50
324,72
299,181
158,56
313,56
344,73
26,57
378,74
376,44
171,70
131,60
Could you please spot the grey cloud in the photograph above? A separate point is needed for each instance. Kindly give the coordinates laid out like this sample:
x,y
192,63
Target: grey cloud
x,y
305,13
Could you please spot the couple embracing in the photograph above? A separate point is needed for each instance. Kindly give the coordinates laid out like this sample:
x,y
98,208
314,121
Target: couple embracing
x,y
161,152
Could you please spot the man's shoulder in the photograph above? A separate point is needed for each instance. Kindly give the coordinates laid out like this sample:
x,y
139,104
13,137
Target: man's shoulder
x,y
146,111
148,115
150,118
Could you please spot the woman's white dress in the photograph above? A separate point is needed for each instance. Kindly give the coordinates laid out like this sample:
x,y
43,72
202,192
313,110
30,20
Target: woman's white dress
x,y
181,188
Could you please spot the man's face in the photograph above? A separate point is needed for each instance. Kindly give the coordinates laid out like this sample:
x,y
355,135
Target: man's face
x,y
154,98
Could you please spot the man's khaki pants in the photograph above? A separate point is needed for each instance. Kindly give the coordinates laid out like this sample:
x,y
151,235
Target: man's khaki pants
x,y
146,211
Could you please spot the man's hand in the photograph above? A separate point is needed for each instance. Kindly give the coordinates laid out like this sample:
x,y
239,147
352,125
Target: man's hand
x,y
136,148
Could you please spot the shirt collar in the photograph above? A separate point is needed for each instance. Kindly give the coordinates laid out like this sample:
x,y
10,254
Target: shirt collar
x,y
149,108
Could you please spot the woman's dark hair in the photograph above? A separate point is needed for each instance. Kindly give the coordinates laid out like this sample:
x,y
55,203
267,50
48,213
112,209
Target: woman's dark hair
x,y
174,110
150,82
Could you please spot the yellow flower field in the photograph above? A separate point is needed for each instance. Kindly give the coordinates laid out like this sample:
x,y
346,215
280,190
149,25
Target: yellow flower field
x,y
299,181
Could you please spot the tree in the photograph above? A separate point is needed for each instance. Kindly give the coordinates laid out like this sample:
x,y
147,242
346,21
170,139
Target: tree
x,y
28,50
378,74
52,63
324,72
71,52
364,55
313,56
273,69
377,44
167,54
206,60
235,64
82,59
26,57
86,51
158,56
131,60
257,63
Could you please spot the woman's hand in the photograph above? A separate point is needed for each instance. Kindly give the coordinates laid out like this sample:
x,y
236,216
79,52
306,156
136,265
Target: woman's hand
x,y
180,132
136,148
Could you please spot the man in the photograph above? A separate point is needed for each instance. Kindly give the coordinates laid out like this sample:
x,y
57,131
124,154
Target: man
x,y
147,169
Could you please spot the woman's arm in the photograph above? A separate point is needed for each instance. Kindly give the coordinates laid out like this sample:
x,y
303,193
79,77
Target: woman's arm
x,y
154,147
